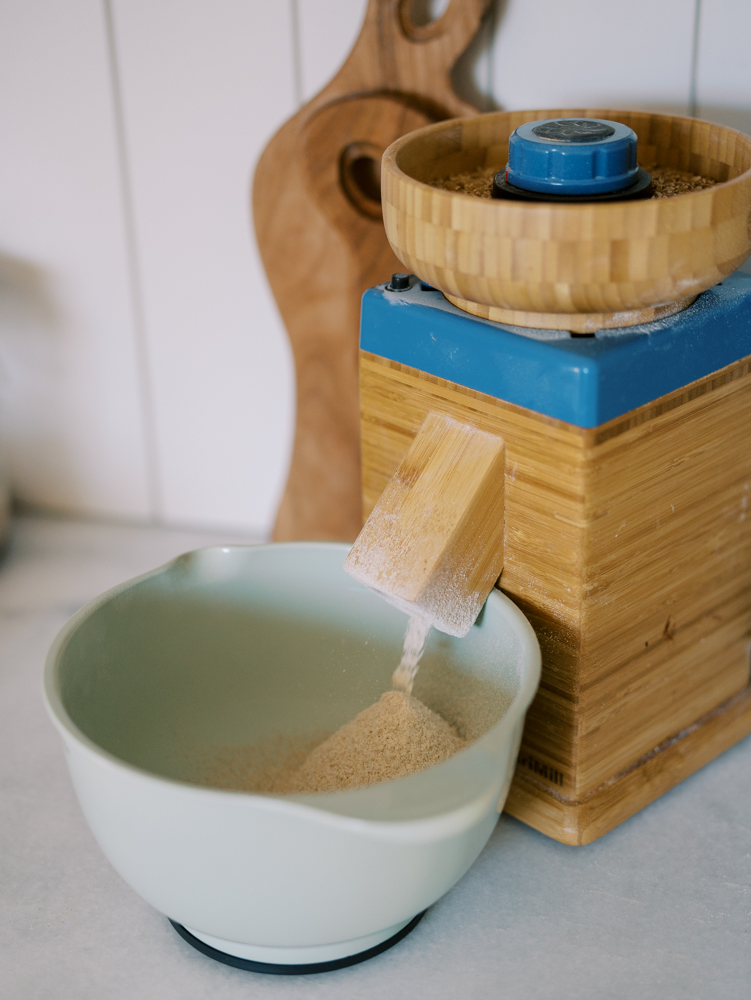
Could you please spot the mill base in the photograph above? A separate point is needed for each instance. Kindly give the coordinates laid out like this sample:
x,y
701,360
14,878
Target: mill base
x,y
581,822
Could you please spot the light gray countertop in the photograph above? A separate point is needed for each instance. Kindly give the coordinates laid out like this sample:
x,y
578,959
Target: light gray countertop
x,y
659,908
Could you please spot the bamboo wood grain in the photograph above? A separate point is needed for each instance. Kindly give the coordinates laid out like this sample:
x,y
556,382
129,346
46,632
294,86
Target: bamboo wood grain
x,y
580,822
576,267
433,543
629,549
317,213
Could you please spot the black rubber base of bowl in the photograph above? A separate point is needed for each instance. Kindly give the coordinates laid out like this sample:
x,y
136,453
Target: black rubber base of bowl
x,y
295,970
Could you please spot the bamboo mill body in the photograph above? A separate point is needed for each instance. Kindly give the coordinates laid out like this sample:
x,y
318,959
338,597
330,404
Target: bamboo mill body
x,y
626,538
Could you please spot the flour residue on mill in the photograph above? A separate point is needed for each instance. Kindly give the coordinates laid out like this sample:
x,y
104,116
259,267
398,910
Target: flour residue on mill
x,y
433,543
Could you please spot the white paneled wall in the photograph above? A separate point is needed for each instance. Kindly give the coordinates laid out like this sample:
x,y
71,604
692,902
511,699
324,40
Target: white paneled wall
x,y
723,71
550,53
327,30
72,410
723,79
204,85
144,370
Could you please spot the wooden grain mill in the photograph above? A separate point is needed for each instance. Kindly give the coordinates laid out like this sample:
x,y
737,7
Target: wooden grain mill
x,y
625,444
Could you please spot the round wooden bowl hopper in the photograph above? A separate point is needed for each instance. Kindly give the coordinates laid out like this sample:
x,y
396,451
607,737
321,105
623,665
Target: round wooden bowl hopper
x,y
561,266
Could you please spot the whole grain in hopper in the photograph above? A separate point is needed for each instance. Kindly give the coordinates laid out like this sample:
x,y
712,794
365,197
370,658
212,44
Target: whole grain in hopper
x,y
478,182
667,182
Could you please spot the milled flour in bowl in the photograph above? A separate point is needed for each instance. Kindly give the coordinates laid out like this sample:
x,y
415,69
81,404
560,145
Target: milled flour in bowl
x,y
396,736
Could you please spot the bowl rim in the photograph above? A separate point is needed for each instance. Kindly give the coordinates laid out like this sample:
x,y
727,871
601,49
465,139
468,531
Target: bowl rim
x,y
52,697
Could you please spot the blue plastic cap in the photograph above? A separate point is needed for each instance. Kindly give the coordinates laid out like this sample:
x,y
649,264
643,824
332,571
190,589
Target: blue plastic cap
x,y
572,156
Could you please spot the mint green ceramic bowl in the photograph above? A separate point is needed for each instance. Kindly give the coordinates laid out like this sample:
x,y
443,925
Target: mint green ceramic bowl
x,y
226,646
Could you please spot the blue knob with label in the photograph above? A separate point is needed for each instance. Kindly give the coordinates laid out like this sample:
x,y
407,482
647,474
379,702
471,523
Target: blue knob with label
x,y
572,156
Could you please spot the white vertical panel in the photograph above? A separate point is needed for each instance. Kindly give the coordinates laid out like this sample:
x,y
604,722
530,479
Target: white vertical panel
x,y
327,30
205,83
552,53
473,74
71,398
723,79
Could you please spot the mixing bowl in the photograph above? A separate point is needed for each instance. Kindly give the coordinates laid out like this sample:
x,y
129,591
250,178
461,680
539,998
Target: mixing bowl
x,y
155,681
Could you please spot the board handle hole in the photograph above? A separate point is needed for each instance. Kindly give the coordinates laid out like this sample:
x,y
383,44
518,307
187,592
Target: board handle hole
x,y
421,13
360,175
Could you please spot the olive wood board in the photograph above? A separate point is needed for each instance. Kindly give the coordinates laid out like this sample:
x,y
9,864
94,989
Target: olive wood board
x,y
319,226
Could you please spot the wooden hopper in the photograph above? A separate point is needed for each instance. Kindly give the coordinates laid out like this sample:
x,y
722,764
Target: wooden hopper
x,y
562,266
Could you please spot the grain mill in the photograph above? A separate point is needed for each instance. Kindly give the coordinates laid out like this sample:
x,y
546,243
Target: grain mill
x,y
607,342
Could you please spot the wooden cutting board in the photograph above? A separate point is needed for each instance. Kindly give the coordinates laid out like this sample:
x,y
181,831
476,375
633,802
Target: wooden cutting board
x,y
317,213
